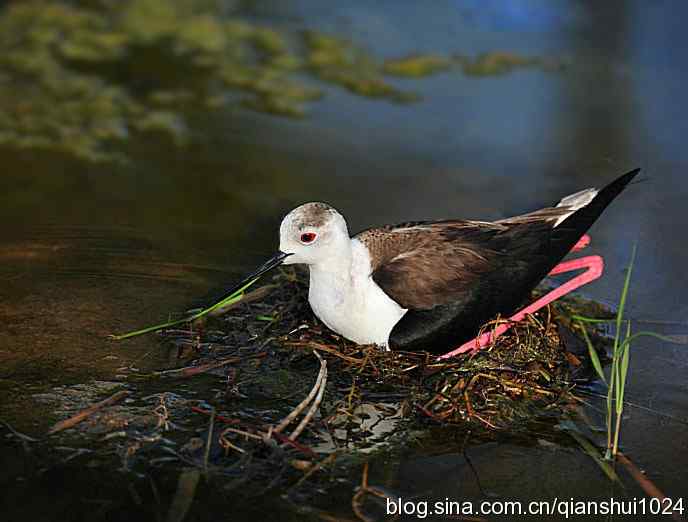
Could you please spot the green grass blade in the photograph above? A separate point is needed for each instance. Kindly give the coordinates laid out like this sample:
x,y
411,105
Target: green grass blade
x,y
622,301
593,353
623,369
610,395
585,319
644,333
230,299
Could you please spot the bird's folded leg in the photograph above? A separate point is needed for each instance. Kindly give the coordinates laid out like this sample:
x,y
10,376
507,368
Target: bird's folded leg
x,y
593,265
581,243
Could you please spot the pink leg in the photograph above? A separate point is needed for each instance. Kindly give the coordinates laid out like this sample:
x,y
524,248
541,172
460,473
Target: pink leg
x,y
582,243
594,266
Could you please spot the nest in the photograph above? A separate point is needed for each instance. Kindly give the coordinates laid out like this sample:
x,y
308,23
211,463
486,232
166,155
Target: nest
x,y
295,397
529,369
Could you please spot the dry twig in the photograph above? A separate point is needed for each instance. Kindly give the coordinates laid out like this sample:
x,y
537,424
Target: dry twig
x,y
316,403
84,414
305,402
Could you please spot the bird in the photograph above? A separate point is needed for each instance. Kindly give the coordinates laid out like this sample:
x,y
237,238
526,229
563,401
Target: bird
x,y
430,285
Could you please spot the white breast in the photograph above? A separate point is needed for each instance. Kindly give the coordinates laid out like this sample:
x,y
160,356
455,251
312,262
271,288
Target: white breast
x,y
349,302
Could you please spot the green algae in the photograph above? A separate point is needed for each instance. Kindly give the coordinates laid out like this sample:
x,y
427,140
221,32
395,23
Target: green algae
x,y
84,80
417,66
339,62
165,122
496,63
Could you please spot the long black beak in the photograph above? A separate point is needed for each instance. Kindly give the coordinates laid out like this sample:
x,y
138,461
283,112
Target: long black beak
x,y
271,263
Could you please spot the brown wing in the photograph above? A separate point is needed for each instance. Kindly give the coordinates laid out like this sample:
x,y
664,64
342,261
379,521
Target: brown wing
x,y
548,214
429,263
424,264
453,276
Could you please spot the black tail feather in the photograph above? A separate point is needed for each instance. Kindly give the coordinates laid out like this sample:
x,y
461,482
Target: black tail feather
x,y
569,231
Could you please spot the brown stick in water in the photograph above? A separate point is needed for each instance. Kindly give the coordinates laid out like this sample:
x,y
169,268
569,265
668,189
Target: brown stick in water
x,y
84,414
648,486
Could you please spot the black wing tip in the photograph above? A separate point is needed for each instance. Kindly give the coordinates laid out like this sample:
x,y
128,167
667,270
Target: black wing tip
x,y
583,218
633,172
614,188
625,179
634,179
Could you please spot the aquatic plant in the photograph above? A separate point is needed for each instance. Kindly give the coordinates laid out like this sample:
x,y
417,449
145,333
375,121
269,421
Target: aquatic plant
x,y
495,63
85,78
234,297
417,65
621,349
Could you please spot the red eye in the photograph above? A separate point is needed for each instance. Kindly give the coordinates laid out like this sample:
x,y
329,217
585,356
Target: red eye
x,y
307,237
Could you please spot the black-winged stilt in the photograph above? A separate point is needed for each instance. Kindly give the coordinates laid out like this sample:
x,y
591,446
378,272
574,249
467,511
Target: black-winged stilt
x,y
432,284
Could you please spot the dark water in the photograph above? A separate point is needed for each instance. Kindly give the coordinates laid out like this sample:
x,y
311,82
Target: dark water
x,y
88,249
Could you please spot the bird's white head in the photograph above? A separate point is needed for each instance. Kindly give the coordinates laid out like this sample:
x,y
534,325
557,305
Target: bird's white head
x,y
314,233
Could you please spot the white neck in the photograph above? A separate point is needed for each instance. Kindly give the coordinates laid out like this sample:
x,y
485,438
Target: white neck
x,y
335,267
345,297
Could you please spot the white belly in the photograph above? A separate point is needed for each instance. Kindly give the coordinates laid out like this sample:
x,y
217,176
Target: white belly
x,y
350,303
